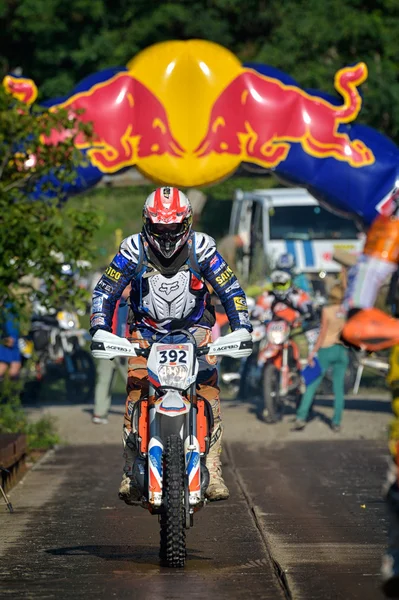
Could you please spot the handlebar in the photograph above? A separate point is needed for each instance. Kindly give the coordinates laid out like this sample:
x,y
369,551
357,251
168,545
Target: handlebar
x,y
105,345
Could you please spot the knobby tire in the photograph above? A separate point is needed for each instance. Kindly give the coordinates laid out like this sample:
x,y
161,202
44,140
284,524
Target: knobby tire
x,y
173,535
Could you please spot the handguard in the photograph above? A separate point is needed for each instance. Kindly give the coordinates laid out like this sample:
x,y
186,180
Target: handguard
x,y
237,344
108,345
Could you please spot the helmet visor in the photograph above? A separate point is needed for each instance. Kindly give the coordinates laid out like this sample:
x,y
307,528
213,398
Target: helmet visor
x,y
282,287
170,231
167,237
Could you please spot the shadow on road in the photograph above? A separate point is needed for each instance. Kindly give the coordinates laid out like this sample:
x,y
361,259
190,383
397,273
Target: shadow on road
x,y
359,404
137,554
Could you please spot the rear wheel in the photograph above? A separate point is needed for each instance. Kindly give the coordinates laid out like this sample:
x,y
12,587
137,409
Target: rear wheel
x,y
173,535
272,403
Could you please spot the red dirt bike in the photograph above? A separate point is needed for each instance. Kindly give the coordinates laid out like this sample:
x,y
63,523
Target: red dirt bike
x,y
278,363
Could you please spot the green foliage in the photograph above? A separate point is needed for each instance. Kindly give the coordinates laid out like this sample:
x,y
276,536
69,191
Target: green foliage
x,y
312,41
309,40
41,435
38,236
116,209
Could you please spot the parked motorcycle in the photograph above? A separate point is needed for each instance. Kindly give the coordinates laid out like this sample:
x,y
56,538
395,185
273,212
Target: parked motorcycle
x,y
172,429
59,349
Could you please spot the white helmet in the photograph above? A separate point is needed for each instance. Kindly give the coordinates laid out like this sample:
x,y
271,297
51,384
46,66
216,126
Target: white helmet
x,y
167,217
285,262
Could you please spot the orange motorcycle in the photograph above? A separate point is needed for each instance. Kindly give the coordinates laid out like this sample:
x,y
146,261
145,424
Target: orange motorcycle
x,y
278,372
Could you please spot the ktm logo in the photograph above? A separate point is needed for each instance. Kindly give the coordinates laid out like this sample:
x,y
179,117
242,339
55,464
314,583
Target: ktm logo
x,y
168,288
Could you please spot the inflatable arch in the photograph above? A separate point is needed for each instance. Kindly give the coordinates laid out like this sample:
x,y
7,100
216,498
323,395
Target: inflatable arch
x,y
188,113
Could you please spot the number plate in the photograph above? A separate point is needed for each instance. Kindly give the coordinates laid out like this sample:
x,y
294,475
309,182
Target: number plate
x,y
172,365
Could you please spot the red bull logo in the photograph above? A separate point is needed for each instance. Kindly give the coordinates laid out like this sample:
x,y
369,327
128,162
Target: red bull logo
x,y
23,89
129,123
188,113
259,118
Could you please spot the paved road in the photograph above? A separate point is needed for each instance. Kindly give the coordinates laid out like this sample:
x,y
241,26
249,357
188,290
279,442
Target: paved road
x,y
306,516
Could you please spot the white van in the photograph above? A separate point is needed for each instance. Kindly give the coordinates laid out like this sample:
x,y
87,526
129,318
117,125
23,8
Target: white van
x,y
291,220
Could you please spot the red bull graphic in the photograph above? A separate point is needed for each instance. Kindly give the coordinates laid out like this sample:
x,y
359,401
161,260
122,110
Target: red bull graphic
x,y
129,123
23,89
189,114
259,117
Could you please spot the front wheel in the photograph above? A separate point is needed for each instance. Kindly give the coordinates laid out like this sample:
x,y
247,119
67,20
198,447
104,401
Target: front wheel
x,y
173,535
272,403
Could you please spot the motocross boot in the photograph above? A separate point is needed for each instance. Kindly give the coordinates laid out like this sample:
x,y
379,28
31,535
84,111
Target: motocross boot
x,y
217,489
129,490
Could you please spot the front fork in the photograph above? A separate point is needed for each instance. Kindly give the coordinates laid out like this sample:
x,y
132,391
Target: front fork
x,y
284,372
192,454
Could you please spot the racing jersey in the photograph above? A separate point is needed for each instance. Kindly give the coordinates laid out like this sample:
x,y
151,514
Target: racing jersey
x,y
269,302
165,297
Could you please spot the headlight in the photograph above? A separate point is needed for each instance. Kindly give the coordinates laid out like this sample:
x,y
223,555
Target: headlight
x,y
67,320
258,333
173,375
277,332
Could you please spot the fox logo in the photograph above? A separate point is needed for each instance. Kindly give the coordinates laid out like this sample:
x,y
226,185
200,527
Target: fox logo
x,y
168,288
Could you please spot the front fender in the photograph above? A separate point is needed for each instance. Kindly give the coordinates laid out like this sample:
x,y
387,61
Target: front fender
x,y
267,353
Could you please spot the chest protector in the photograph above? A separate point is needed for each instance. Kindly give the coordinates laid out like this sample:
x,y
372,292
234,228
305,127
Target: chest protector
x,y
170,291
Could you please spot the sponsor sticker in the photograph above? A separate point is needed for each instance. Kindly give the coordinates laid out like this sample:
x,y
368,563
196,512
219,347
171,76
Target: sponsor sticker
x,y
233,286
97,305
103,285
220,268
97,321
243,318
224,277
240,303
113,273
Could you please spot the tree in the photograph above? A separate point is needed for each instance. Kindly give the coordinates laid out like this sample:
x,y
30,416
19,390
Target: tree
x,y
309,40
38,231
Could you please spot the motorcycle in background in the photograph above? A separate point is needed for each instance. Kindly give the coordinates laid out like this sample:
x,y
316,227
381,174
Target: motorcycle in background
x,y
279,364
59,348
172,429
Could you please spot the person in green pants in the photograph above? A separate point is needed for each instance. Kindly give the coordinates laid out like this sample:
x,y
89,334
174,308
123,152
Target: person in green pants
x,y
330,353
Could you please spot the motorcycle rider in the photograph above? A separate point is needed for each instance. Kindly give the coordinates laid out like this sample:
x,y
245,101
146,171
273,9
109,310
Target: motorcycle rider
x,y
286,262
283,290
167,265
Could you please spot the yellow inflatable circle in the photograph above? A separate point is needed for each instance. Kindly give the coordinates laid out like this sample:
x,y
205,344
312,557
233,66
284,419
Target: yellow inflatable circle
x,y
187,77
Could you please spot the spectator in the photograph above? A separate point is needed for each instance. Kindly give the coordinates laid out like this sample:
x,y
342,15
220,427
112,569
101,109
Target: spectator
x,y
10,356
330,353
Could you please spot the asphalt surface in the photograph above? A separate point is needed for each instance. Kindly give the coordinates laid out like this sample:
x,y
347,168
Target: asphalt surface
x,y
305,521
